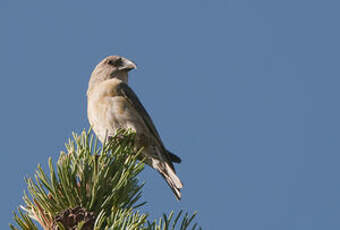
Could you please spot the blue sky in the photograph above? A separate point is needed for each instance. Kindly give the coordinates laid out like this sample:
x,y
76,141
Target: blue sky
x,y
246,92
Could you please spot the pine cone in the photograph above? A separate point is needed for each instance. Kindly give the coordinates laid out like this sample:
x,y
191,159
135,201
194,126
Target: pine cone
x,y
72,216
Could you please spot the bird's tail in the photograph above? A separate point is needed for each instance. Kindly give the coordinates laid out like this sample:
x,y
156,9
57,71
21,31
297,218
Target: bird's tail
x,y
170,177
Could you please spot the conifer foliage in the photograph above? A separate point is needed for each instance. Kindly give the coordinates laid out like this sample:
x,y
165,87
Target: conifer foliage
x,y
92,187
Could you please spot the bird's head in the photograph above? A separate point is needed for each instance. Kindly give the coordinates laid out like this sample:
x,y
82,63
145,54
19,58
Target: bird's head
x,y
111,67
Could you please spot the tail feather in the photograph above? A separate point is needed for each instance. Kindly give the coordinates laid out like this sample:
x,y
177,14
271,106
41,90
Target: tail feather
x,y
170,177
173,157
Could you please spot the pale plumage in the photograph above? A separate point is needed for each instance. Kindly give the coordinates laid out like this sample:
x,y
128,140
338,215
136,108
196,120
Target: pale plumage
x,y
112,105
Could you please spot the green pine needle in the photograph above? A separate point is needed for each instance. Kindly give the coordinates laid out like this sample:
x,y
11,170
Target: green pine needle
x,y
103,181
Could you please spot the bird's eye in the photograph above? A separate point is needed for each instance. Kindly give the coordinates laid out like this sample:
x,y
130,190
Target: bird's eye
x,y
116,63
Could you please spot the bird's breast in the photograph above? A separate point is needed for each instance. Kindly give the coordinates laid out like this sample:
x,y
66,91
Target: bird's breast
x,y
119,105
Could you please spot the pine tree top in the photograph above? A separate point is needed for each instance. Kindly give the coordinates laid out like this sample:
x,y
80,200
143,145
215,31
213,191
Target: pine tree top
x,y
92,187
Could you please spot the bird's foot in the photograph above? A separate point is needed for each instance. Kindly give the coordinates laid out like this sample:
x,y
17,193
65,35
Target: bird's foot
x,y
117,138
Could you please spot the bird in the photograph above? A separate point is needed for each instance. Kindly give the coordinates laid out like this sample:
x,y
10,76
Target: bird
x,y
113,105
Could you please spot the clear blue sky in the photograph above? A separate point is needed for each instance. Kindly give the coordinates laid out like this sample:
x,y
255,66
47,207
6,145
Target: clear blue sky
x,y
246,92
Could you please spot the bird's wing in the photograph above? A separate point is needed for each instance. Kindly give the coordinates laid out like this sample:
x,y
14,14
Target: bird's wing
x,y
124,90
164,164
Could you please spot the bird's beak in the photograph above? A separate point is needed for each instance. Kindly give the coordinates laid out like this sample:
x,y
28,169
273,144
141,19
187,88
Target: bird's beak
x,y
127,65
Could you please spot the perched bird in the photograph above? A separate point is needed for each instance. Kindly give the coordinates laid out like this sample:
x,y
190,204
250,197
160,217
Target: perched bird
x,y
111,104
